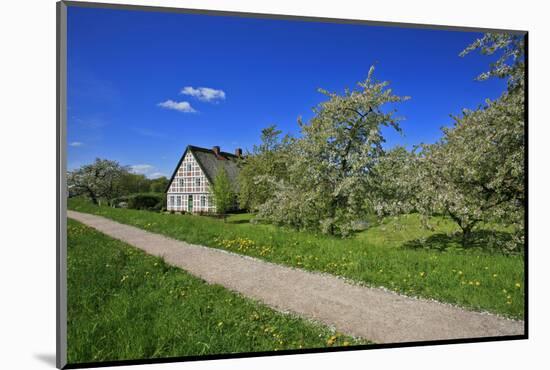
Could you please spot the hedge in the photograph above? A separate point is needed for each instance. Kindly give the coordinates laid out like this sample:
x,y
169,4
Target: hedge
x,y
147,201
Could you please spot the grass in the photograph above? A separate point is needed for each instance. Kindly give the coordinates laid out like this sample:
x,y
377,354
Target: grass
x,y
385,255
124,304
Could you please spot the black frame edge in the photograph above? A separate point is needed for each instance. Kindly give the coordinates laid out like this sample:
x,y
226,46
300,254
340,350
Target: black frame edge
x,y
526,179
291,352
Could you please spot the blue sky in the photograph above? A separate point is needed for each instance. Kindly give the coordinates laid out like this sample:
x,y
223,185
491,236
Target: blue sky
x,y
134,80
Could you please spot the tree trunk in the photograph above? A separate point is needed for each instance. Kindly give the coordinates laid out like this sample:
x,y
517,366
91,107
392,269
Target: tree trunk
x,y
466,235
332,214
466,230
93,197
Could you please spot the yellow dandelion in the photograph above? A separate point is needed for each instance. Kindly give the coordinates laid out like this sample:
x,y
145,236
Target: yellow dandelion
x,y
422,273
518,285
495,275
477,283
460,272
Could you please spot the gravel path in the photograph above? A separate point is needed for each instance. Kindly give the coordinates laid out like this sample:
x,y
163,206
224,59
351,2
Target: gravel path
x,y
371,313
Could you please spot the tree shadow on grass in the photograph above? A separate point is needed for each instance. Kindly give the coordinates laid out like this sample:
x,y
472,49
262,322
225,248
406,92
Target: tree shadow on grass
x,y
238,221
486,240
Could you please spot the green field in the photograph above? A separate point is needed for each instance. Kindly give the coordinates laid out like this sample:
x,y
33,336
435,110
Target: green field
x,y
398,254
124,304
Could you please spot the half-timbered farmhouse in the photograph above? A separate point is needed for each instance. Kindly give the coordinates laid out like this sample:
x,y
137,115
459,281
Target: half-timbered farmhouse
x,y
189,186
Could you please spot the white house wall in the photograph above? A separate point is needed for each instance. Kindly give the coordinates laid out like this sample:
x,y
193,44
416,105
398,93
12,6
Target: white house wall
x,y
189,181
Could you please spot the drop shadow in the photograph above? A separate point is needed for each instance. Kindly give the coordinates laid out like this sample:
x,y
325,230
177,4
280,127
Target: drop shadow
x,y
47,358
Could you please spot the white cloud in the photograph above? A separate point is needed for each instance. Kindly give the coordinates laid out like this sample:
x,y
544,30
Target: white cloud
x,y
141,169
207,94
148,170
156,175
76,143
181,106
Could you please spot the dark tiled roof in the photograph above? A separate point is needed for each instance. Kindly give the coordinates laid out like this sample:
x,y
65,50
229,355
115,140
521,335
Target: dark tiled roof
x,y
210,164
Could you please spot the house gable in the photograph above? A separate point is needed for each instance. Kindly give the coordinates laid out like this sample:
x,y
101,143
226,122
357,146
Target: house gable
x,y
189,177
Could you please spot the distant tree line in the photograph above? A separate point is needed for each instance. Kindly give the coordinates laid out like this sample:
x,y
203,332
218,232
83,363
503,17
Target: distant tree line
x,y
107,179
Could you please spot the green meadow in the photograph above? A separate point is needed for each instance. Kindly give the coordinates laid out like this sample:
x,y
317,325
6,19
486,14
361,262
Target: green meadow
x,y
398,254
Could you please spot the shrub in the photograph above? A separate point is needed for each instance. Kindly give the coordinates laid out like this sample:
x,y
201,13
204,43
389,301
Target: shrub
x,y
147,201
224,196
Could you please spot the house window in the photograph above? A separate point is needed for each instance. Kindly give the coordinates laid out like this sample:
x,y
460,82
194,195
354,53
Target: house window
x,y
181,183
198,182
171,200
203,201
178,201
189,167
